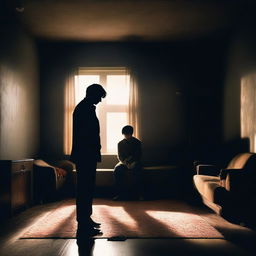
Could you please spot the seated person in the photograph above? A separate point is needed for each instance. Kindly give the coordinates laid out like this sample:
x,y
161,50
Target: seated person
x,y
129,155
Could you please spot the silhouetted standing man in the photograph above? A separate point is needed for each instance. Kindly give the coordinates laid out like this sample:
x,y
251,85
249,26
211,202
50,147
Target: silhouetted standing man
x,y
85,154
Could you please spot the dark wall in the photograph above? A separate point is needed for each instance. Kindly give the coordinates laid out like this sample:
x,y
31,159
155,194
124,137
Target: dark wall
x,y
241,64
19,94
180,86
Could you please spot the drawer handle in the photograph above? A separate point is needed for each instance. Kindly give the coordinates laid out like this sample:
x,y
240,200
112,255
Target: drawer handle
x,y
23,169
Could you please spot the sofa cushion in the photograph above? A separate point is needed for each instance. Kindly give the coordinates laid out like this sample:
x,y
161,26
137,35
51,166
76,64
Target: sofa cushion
x,y
207,185
60,172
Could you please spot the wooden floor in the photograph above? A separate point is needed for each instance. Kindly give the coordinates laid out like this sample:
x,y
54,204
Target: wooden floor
x,y
238,240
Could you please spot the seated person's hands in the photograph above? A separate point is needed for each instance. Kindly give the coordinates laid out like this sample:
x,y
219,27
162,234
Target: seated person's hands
x,y
131,165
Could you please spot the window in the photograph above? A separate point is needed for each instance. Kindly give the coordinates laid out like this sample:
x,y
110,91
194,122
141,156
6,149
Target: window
x,y
113,110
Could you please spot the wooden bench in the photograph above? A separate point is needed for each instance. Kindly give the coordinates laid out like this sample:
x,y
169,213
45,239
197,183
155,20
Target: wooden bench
x,y
158,180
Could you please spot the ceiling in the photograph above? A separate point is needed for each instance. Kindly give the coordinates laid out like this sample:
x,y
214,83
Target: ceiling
x,y
120,20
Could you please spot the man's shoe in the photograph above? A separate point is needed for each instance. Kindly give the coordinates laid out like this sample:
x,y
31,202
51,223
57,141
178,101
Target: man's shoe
x,y
87,233
94,224
94,232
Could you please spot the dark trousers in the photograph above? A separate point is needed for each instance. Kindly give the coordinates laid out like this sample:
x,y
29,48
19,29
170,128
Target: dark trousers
x,y
86,173
120,172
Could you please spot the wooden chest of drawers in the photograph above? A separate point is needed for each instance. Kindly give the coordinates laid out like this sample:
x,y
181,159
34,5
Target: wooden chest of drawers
x,y
15,186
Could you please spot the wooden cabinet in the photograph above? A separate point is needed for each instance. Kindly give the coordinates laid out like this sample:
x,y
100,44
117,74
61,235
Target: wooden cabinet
x,y
15,186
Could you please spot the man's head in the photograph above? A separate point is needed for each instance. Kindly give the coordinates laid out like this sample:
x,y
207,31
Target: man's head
x,y
127,131
95,92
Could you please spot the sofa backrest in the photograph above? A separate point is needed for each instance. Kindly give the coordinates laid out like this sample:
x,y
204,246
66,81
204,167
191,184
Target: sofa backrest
x,y
108,162
243,161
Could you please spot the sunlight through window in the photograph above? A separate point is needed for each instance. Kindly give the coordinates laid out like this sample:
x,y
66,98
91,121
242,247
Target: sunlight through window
x,y
115,122
81,83
112,111
118,89
114,213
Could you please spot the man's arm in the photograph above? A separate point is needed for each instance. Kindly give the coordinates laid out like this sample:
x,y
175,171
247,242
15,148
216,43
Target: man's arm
x,y
135,157
137,153
122,155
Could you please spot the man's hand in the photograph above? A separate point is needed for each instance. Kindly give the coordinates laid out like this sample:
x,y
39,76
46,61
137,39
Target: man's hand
x,y
131,165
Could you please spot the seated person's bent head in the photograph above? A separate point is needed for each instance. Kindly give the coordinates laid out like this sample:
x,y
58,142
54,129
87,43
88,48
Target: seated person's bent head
x,y
95,92
127,131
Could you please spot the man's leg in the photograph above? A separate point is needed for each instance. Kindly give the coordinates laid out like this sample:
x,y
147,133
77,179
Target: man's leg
x,y
138,180
86,172
119,176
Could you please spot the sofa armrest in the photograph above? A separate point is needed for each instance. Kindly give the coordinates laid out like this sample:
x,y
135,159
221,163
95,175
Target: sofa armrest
x,y
224,172
66,165
207,169
233,179
45,173
44,181
51,176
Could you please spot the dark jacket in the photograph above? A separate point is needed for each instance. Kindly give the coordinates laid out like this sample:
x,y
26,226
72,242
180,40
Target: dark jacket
x,y
86,139
129,151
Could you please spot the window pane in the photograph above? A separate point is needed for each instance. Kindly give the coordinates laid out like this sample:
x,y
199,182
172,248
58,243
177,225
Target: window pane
x,y
118,89
115,123
81,83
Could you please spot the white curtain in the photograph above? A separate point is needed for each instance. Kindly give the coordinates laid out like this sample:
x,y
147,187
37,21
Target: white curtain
x,y
133,111
69,101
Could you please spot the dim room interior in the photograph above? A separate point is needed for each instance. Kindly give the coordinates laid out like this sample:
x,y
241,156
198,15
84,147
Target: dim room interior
x,y
181,72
